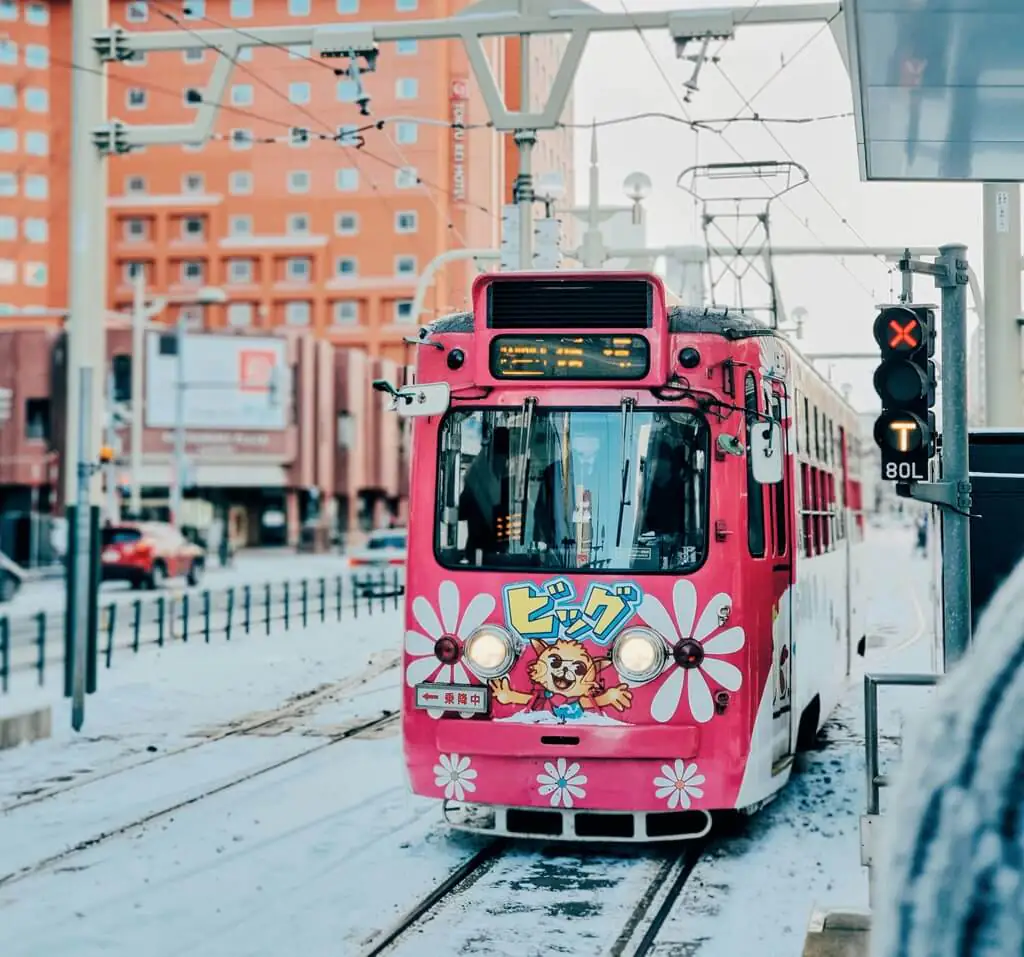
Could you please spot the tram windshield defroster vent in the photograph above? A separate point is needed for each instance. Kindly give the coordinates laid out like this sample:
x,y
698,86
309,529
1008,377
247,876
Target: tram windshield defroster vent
x,y
570,304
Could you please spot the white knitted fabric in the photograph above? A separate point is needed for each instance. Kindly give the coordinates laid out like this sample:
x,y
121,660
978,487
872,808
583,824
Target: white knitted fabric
x,y
951,879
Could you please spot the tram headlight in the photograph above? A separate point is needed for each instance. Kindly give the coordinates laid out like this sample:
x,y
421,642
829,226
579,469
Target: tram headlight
x,y
639,655
490,652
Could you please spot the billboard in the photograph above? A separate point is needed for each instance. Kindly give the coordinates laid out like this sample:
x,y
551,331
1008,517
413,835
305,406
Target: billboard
x,y
230,382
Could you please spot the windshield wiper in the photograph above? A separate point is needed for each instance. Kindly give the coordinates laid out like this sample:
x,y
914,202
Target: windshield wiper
x,y
529,403
628,405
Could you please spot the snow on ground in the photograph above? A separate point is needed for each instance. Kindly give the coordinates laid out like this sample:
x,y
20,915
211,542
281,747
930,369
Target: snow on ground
x,y
316,855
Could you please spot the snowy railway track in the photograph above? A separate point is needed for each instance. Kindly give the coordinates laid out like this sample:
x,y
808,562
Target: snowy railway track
x,y
362,727
297,706
639,936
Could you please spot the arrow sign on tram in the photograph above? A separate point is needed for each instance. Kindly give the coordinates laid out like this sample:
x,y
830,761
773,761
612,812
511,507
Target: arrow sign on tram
x,y
905,382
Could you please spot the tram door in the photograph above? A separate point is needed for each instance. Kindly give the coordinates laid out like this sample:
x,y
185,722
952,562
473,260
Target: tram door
x,y
780,509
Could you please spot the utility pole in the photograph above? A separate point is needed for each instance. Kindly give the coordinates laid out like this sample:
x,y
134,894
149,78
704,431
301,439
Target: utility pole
x,y
525,140
139,318
111,444
179,462
1000,332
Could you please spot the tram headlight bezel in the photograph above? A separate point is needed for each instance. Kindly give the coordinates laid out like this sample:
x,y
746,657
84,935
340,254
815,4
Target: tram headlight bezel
x,y
658,655
510,650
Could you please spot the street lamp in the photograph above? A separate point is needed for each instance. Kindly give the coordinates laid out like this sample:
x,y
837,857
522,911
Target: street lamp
x,y
637,187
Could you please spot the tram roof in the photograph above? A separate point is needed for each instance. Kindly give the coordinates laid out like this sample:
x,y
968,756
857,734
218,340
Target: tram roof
x,y
721,322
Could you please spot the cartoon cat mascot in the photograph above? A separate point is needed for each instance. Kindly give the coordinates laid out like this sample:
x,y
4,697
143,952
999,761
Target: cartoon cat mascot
x,y
566,680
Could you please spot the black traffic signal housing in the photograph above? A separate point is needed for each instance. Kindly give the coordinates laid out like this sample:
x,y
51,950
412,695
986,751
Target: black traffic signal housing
x,y
905,382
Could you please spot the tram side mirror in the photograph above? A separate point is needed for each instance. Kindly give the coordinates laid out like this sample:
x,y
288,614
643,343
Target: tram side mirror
x,y
431,398
766,452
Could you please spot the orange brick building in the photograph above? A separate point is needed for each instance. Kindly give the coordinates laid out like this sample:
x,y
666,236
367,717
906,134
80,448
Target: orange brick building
x,y
301,232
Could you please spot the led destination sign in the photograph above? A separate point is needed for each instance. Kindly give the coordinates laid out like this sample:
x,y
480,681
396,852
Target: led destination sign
x,y
569,357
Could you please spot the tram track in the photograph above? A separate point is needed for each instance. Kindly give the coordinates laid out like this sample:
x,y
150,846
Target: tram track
x,y
296,707
364,726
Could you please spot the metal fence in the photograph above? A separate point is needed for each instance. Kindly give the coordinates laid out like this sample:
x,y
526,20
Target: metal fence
x,y
35,643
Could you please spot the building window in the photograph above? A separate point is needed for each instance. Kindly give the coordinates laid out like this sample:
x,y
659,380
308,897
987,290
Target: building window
x,y
406,177
297,313
406,88
37,100
346,267
37,186
406,133
403,311
298,224
240,183
241,9
37,420
405,222
244,55
193,228
135,185
242,94
346,224
37,57
8,140
348,6
35,274
132,269
240,315
299,8
8,53
193,10
8,227
9,10
347,91
348,135
138,58
137,12
194,55
36,230
298,181
240,226
37,14
135,98
193,183
192,272
241,139
405,265
346,180
135,230
346,312
298,269
8,272
37,144
299,92
8,96
8,184
405,47
240,270
406,6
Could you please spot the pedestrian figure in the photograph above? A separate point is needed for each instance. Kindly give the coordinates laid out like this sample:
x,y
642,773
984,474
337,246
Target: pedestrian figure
x,y
922,536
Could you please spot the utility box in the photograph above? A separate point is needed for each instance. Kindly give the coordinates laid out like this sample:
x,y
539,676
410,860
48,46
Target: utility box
x,y
996,461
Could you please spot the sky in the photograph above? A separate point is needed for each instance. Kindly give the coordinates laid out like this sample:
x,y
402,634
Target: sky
x,y
619,77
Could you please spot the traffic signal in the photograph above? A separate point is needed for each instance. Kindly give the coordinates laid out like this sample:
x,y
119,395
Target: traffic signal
x,y
905,382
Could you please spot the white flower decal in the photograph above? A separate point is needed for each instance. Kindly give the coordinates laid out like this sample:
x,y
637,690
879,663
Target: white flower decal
x,y
454,775
424,665
563,782
679,783
713,640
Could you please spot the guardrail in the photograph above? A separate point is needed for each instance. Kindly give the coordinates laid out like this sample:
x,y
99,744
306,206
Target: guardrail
x,y
872,770
35,642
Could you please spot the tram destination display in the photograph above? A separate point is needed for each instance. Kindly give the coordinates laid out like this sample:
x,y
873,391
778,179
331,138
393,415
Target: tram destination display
x,y
570,357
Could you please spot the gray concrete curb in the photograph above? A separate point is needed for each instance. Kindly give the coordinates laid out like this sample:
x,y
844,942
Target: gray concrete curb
x,y
28,726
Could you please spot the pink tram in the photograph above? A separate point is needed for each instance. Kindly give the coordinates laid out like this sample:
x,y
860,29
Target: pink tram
x,y
633,547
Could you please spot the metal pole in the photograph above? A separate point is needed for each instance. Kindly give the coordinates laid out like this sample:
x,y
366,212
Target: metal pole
x,y
138,365
80,582
1001,280
525,140
110,468
956,551
178,464
906,282
88,261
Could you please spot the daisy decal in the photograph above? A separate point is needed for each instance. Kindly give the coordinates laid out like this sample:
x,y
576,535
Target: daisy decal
x,y
679,783
455,775
695,651
563,782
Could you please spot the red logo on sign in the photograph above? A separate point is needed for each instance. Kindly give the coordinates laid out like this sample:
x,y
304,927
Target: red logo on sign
x,y
256,369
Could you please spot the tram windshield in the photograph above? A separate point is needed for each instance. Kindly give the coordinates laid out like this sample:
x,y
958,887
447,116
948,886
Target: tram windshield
x,y
610,490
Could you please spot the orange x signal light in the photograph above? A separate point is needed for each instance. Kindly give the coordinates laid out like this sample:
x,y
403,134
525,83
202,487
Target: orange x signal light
x,y
907,334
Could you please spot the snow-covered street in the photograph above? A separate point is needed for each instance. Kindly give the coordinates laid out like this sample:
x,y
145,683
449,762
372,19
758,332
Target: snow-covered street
x,y
249,800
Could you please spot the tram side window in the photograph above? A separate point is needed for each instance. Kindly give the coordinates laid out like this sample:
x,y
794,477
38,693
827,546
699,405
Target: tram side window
x,y
826,510
755,495
805,509
779,494
833,511
807,427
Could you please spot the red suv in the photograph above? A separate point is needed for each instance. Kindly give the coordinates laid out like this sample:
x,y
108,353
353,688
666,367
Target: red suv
x,y
148,553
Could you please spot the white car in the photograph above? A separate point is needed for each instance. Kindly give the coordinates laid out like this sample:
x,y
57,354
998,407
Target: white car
x,y
384,549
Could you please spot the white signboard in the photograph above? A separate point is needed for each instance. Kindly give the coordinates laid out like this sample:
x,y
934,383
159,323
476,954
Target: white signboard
x,y
1002,212
230,382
